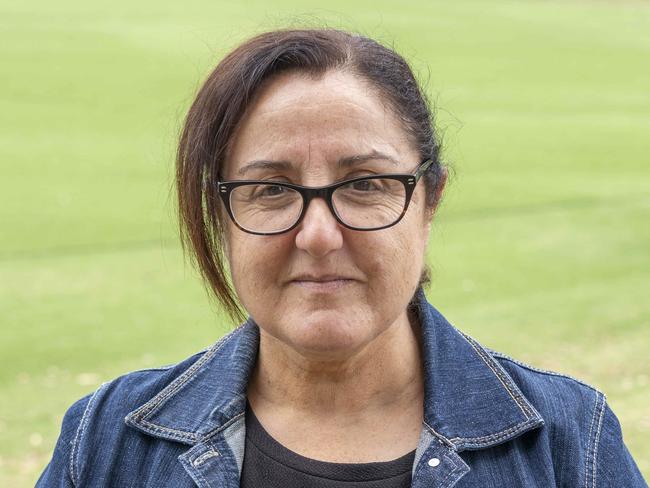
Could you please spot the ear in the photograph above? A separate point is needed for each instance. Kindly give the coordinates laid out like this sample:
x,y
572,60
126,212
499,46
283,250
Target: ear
x,y
430,211
442,182
440,186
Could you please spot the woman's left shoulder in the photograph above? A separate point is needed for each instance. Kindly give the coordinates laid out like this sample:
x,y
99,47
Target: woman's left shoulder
x,y
552,392
577,419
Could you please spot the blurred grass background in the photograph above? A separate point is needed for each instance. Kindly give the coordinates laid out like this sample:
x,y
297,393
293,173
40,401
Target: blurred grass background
x,y
541,249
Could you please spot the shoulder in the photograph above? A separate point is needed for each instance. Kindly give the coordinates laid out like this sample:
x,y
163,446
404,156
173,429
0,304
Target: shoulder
x,y
556,396
113,426
96,421
572,410
118,397
579,426
121,396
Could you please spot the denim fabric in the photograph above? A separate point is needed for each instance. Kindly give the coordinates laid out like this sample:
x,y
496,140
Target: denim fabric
x,y
489,421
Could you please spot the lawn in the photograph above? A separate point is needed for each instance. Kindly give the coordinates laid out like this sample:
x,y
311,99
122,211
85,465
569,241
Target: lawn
x,y
541,248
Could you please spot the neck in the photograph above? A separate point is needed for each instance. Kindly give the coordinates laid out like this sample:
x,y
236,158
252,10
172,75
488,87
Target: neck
x,y
384,376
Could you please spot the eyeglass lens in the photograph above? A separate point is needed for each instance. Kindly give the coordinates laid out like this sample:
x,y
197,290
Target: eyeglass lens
x,y
363,204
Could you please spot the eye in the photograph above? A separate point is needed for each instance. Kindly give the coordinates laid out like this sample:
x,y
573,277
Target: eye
x,y
271,191
266,191
364,185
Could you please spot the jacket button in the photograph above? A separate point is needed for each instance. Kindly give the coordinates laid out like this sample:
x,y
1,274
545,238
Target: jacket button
x,y
433,462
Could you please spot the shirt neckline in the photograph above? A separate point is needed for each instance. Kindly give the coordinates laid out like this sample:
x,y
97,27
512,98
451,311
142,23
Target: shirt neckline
x,y
265,443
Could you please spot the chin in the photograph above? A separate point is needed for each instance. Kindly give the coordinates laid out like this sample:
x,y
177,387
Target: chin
x,y
328,336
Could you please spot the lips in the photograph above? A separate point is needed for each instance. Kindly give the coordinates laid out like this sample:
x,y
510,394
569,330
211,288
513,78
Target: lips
x,y
322,282
320,278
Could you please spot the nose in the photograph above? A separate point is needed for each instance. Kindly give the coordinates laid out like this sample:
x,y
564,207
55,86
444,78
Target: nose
x,y
319,233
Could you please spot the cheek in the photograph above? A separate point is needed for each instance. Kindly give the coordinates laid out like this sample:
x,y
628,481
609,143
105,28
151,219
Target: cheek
x,y
397,259
255,262
412,244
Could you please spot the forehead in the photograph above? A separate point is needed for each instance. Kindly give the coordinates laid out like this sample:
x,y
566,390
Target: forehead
x,y
317,121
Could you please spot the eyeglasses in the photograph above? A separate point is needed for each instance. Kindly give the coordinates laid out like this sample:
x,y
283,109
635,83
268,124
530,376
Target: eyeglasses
x,y
366,203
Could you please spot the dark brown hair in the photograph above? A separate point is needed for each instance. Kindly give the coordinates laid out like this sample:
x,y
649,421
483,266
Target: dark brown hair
x,y
224,98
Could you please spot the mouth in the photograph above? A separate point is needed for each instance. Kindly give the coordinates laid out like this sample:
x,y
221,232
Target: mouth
x,y
322,283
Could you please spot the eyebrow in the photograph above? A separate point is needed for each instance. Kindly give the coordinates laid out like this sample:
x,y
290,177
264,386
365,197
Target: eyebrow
x,y
265,164
344,162
362,158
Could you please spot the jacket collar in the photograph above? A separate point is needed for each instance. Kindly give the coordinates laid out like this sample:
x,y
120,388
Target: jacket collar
x,y
470,400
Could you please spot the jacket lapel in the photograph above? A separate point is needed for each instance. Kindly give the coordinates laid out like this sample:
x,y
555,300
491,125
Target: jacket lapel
x,y
470,403
470,400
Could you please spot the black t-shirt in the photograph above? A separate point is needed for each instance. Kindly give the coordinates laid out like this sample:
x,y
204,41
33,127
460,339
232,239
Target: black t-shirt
x,y
269,464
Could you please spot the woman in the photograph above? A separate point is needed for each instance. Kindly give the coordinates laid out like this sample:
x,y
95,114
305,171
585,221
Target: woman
x,y
308,175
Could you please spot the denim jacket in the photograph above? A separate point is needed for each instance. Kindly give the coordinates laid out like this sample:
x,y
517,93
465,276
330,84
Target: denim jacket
x,y
489,421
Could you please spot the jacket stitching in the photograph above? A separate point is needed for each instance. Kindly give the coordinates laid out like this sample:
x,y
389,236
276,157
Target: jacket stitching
x,y
190,436
178,433
443,482
542,371
442,440
591,429
597,440
153,405
184,378
205,456
193,471
483,355
592,449
477,441
420,469
200,476
79,434
451,473
223,427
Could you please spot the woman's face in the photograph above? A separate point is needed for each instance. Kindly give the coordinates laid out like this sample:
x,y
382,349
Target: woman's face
x,y
322,289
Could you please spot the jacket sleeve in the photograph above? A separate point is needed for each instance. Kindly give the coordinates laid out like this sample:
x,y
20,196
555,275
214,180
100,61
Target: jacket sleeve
x,y
613,464
59,473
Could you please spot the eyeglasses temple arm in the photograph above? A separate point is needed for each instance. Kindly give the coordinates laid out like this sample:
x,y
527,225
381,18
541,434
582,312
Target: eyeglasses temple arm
x,y
424,166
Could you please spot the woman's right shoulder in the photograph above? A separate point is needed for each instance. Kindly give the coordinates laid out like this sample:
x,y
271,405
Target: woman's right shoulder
x,y
116,398
130,390
104,411
113,426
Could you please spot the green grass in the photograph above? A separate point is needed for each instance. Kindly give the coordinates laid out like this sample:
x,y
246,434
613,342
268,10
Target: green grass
x,y
540,249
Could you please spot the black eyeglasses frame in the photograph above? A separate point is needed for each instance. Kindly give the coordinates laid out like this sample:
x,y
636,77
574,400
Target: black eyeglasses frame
x,y
308,193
